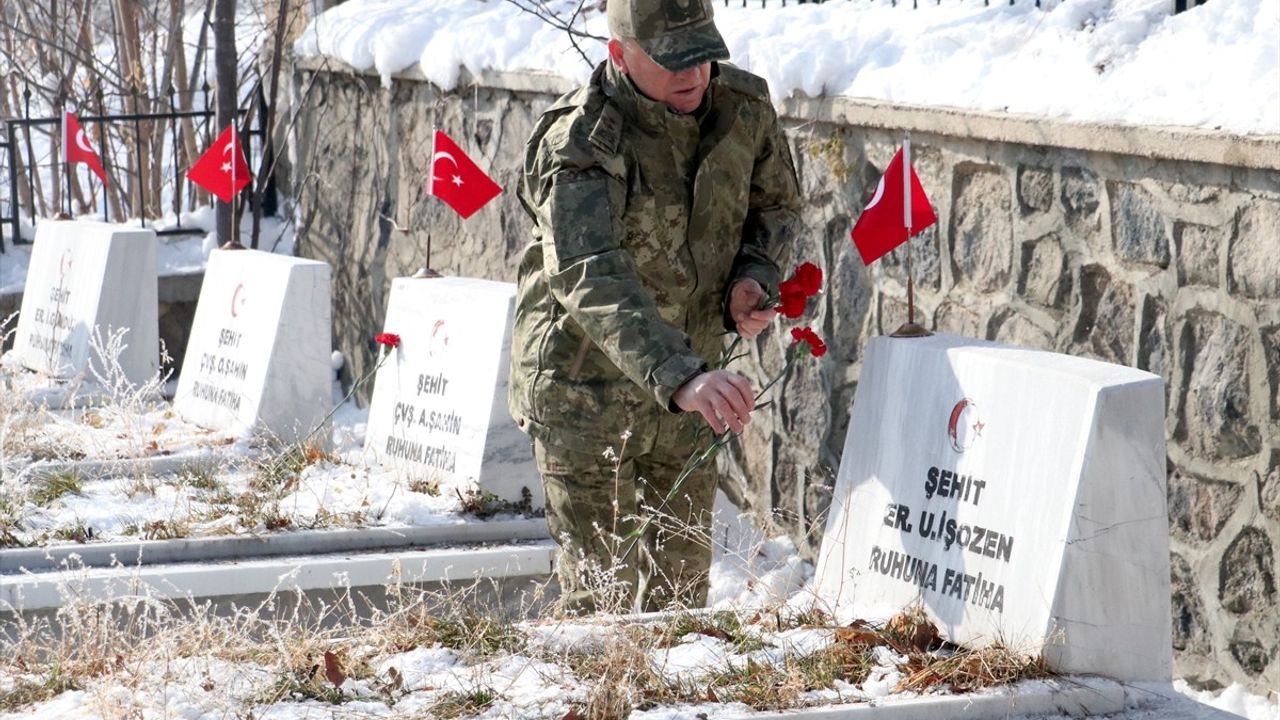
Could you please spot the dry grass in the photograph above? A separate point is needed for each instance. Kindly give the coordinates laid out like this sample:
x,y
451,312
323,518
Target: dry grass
x,y
458,704
485,505
331,653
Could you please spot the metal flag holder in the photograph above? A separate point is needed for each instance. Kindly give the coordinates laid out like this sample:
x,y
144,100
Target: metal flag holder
x,y
909,329
233,233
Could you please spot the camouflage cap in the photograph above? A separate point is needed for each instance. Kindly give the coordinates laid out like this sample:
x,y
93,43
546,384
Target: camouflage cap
x,y
677,34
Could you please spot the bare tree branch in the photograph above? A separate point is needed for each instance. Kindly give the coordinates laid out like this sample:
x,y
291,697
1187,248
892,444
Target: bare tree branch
x,y
542,11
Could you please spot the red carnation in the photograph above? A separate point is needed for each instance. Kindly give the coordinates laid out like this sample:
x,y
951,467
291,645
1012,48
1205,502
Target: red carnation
x,y
806,335
809,277
795,291
791,302
388,339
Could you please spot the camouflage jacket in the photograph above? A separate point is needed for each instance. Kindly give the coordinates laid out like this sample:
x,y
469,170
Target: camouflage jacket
x,y
643,218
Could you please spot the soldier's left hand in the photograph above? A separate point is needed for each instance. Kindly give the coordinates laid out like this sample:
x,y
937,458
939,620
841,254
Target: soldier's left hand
x,y
745,299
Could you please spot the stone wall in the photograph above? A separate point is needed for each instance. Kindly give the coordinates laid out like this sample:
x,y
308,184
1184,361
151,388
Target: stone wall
x,y
1153,248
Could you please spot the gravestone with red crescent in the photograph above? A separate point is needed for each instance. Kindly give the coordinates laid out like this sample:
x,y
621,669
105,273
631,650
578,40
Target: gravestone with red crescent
x,y
86,276
439,407
1018,496
258,357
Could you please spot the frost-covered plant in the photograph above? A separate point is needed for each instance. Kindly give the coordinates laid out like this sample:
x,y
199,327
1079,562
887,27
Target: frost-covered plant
x,y
105,370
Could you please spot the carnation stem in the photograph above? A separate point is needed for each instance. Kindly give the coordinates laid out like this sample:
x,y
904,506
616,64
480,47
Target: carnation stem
x,y
700,458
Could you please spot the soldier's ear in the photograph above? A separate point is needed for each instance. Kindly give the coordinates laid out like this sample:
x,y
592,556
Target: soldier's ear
x,y
616,56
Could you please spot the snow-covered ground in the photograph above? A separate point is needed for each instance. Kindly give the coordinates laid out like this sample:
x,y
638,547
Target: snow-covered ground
x,y
1124,61
750,570
211,483
1132,62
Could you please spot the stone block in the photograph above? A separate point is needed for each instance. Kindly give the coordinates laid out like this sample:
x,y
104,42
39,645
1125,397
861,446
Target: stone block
x,y
1190,632
981,227
1011,327
1271,350
1269,488
1010,492
1198,248
1246,576
926,265
1253,645
850,282
1214,417
1199,507
1035,189
1094,280
1254,251
1196,194
1153,343
1111,338
894,312
958,318
439,409
257,360
1080,200
1044,276
88,278
1137,227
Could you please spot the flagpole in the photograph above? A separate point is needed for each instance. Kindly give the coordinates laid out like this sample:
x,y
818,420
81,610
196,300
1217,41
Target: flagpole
x,y
425,271
233,239
66,161
906,224
431,190
910,328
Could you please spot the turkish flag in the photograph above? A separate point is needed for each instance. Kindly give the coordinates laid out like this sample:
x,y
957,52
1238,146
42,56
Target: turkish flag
x,y
222,169
76,147
457,180
882,225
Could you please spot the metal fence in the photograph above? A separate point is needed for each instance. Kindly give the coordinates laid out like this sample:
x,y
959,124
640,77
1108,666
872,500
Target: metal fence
x,y
28,173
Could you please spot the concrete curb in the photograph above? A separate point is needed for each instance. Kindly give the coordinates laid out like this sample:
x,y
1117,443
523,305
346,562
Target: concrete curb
x,y
20,593
148,553
124,467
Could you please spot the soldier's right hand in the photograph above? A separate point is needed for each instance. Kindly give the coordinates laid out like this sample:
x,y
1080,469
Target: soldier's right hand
x,y
722,397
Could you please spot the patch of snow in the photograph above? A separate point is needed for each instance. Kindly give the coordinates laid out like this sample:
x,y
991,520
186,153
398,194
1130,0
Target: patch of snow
x,y
1132,62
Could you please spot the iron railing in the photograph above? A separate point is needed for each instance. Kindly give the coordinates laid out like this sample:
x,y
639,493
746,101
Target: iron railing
x,y
23,165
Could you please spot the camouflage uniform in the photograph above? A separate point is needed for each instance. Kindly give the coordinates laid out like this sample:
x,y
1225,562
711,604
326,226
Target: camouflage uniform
x,y
643,219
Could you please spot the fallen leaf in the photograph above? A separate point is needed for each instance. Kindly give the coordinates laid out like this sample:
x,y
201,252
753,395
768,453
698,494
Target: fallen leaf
x,y
857,636
333,670
397,680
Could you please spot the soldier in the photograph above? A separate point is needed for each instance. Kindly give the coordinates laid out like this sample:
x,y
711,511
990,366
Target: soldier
x,y
663,197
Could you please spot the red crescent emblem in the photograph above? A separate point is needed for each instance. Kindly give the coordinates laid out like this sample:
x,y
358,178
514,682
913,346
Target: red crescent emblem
x,y
961,433
439,339
235,300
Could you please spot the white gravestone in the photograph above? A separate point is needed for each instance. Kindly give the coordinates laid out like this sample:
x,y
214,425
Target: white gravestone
x,y
258,360
1018,495
439,406
87,278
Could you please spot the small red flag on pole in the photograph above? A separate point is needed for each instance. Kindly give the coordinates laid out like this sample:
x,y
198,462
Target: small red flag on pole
x,y
222,169
457,180
898,210
76,147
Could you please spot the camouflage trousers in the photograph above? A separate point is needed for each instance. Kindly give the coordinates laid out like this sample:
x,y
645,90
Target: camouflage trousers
x,y
596,500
